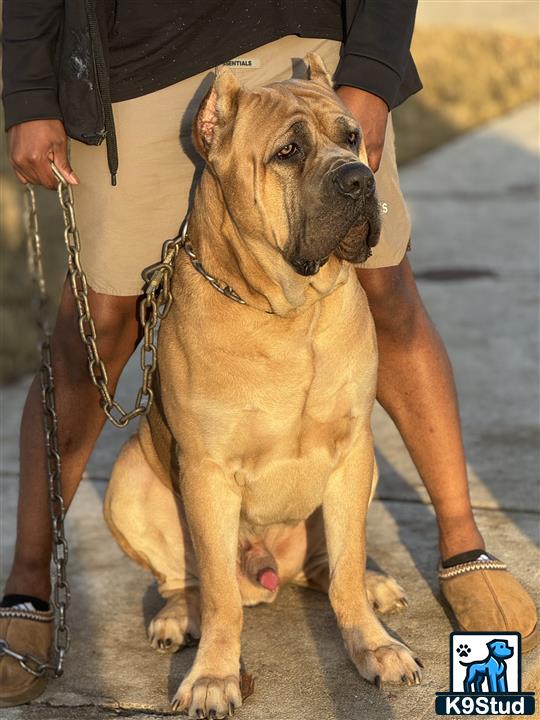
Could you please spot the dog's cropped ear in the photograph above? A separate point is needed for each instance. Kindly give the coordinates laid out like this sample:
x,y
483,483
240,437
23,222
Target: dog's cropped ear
x,y
216,111
317,69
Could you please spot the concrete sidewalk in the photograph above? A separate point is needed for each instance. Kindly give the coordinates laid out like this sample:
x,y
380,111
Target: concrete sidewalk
x,y
475,207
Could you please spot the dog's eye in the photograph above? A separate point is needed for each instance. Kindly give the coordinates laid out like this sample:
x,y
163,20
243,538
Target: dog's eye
x,y
352,137
287,151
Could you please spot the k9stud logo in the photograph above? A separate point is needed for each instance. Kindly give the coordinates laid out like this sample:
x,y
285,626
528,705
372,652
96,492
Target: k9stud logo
x,y
485,676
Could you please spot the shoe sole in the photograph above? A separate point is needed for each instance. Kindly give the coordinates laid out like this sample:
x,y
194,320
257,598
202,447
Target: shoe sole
x,y
31,693
528,643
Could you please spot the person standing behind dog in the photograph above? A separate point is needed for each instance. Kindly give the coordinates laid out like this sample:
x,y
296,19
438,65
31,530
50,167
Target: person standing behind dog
x,y
116,77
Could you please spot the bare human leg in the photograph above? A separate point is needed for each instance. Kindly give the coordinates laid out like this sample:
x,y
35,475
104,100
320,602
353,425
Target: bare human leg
x,y
416,387
80,420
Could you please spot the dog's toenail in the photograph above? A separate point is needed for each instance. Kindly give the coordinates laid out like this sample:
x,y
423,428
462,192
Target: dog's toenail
x,y
212,714
231,708
376,605
403,678
378,682
161,644
168,642
419,662
200,713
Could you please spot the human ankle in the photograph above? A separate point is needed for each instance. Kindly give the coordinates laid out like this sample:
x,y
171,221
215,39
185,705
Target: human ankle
x,y
459,535
33,581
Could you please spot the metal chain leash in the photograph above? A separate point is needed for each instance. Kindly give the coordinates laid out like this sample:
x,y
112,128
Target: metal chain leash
x,y
154,306
54,469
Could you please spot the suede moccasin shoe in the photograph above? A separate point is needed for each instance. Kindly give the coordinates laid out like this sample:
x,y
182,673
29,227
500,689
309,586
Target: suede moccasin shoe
x,y
484,596
26,632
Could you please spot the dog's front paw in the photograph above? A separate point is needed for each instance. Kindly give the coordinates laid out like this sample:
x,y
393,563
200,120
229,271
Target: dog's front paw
x,y
177,624
384,593
389,662
208,697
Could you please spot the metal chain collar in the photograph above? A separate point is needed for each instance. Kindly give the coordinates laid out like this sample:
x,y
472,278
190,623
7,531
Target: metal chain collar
x,y
221,287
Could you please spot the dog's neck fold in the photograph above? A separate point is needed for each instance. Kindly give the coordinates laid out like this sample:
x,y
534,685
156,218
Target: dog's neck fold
x,y
249,262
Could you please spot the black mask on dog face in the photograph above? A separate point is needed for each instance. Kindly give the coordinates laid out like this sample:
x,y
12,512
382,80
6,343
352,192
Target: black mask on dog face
x,y
305,183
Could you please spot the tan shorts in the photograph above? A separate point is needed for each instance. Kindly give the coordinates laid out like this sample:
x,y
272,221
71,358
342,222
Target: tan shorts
x,y
122,228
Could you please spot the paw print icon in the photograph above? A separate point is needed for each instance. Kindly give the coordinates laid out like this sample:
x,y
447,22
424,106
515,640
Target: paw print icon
x,y
463,650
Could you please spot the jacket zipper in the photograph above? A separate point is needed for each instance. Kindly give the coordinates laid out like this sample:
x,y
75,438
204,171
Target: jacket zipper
x,y
103,89
102,134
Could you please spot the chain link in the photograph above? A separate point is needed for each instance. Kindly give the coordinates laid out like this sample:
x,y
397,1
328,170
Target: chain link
x,y
218,285
28,662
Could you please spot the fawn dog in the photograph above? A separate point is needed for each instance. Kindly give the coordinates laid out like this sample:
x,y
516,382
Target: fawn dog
x,y
255,465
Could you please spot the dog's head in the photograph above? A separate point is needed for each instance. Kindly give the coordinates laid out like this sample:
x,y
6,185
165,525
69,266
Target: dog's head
x,y
500,649
287,157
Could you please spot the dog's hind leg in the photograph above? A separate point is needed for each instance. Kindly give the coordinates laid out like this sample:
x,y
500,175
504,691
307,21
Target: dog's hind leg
x,y
146,519
178,623
384,593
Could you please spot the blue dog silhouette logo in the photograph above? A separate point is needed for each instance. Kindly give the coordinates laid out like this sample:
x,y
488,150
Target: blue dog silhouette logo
x,y
489,674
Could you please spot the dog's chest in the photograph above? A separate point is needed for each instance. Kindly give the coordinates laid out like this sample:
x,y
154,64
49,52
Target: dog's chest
x,y
283,469
278,413
288,442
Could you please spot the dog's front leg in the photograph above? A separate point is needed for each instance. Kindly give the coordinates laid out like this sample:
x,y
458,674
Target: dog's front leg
x,y
377,656
212,506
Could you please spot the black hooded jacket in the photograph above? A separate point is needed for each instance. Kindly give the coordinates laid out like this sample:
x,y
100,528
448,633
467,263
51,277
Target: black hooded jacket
x,y
57,66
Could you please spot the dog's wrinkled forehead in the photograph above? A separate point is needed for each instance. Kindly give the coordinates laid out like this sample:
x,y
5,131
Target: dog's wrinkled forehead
x,y
297,110
233,119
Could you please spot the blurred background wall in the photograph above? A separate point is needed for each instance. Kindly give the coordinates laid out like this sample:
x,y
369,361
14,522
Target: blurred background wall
x,y
478,59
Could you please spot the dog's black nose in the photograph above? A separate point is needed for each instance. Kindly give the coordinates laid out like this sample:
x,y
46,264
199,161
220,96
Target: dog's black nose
x,y
307,267
355,179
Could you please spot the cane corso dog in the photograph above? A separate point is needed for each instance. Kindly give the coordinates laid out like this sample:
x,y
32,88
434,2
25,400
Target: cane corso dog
x,y
255,465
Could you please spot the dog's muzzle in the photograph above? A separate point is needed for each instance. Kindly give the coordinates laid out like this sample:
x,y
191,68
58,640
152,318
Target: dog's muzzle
x,y
355,182
350,227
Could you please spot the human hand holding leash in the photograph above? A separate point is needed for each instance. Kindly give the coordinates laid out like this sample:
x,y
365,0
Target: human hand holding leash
x,y
372,114
32,146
